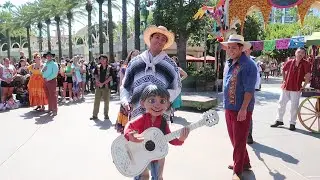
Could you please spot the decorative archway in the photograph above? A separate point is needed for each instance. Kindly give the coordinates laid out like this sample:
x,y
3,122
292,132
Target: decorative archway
x,y
15,46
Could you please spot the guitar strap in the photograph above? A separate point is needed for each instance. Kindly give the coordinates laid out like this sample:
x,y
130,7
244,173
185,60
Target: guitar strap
x,y
163,125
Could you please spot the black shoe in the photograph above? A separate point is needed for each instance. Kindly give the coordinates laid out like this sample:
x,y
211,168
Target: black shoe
x,y
106,118
94,118
276,124
292,127
250,139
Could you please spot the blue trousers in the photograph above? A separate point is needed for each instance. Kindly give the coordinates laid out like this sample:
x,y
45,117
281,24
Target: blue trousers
x,y
154,168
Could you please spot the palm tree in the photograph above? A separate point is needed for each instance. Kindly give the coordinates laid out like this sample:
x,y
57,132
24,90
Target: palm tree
x,y
48,22
137,24
89,8
39,25
110,31
25,19
75,8
124,30
100,2
56,9
58,20
69,17
7,25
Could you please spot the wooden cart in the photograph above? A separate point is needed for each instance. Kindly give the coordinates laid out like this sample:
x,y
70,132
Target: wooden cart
x,y
309,110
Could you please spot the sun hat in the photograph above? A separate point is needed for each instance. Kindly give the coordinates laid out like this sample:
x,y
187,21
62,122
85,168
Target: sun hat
x,y
235,38
160,29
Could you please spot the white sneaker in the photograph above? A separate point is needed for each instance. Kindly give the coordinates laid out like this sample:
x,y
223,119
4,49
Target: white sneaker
x,y
63,100
75,99
70,99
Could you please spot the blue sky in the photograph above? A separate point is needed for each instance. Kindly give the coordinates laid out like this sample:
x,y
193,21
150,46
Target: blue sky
x,y
76,26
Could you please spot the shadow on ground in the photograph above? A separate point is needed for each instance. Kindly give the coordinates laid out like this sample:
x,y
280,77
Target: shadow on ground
x,y
263,149
41,117
260,148
103,125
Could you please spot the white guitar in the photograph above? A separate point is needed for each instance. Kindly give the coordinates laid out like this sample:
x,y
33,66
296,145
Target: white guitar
x,y
131,158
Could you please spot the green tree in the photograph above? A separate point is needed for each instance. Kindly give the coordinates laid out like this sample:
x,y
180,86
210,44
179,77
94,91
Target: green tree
x,y
177,16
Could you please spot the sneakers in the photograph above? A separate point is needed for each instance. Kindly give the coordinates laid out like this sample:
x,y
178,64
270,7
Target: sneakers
x,y
106,118
276,124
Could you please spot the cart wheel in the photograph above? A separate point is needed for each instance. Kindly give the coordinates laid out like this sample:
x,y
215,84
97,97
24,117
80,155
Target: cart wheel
x,y
309,113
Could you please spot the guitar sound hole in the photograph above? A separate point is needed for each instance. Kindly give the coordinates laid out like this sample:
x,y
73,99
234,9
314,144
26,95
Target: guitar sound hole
x,y
150,146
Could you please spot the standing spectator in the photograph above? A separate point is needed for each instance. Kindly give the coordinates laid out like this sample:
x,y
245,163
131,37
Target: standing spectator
x,y
177,103
103,76
8,73
50,73
294,72
239,88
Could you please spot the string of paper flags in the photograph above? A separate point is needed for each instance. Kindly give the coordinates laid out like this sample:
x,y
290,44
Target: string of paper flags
x,y
286,43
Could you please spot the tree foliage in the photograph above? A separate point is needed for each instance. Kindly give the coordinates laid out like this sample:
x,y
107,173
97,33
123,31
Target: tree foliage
x,y
177,16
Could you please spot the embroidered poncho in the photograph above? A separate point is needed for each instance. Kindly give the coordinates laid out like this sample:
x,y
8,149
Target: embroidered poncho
x,y
144,70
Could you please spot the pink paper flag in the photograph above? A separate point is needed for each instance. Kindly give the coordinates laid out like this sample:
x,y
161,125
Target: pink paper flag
x,y
257,45
283,43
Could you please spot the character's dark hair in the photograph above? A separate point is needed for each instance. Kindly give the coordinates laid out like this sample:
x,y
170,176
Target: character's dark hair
x,y
153,90
302,48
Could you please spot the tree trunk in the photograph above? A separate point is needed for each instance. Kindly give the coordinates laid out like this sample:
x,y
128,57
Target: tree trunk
x,y
29,43
40,36
182,50
69,16
100,29
57,19
48,22
137,24
9,43
110,32
89,9
124,30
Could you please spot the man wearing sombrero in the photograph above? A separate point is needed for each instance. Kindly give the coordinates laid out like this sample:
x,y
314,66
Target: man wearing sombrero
x,y
153,66
238,90
50,73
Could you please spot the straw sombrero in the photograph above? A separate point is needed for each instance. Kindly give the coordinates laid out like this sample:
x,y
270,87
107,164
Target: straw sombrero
x,y
160,29
235,38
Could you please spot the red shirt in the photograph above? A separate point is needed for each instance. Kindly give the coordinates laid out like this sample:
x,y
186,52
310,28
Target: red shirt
x,y
145,122
295,74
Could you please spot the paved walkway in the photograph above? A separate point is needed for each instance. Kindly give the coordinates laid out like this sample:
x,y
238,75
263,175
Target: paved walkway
x,y
70,147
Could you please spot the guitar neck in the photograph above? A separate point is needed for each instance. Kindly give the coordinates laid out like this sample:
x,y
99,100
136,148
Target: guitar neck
x,y
177,133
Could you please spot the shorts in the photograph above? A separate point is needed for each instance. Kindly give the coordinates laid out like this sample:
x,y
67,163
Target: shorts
x,y
69,80
5,84
154,168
